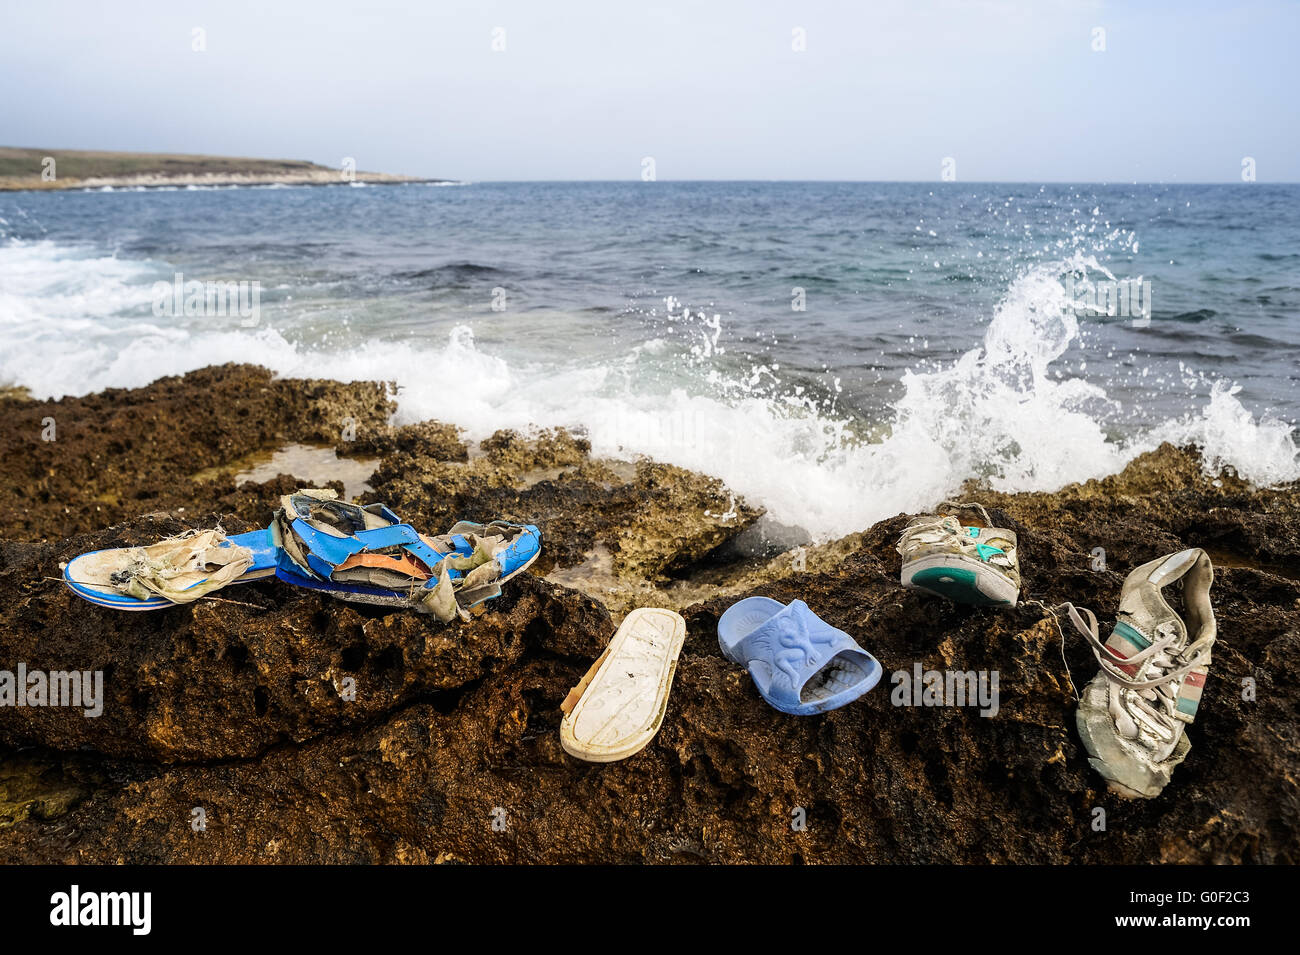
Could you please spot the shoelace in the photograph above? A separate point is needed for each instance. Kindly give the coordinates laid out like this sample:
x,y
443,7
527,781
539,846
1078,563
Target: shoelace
x,y
970,506
1163,688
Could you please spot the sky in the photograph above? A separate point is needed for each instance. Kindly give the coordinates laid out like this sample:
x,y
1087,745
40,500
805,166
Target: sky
x,y
1007,90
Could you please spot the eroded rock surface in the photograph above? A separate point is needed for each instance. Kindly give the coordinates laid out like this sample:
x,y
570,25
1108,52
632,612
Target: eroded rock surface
x,y
79,464
235,707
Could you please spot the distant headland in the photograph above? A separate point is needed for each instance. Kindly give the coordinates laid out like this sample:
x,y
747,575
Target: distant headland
x,y
46,169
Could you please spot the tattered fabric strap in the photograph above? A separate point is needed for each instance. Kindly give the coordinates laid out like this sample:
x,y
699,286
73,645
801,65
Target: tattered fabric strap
x,y
321,537
184,568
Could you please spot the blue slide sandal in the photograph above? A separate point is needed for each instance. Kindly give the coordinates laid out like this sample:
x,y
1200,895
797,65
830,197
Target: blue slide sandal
x,y
800,664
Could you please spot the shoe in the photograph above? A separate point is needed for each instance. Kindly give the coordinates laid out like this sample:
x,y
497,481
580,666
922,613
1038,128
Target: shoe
x,y
366,554
800,664
968,565
1135,711
172,572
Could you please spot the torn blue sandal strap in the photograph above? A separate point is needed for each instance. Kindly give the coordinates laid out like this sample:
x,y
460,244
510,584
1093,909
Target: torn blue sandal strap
x,y
325,552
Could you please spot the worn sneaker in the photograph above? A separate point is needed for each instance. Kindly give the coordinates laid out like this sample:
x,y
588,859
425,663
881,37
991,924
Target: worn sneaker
x,y
1134,713
970,565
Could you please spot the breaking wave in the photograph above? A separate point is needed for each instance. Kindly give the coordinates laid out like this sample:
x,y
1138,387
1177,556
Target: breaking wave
x,y
75,321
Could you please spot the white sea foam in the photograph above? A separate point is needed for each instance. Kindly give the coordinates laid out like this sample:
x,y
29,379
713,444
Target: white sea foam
x,y
73,321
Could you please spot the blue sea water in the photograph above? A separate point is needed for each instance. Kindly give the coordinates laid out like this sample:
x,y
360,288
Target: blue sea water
x,y
837,352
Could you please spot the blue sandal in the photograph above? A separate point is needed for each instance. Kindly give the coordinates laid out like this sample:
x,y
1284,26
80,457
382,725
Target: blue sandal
x,y
174,571
359,553
800,664
366,554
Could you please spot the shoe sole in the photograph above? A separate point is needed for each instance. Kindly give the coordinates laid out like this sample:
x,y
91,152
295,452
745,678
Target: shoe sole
x,y
961,580
623,707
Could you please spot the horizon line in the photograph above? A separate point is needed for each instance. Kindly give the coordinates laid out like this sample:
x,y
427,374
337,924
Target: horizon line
x,y
919,182
1020,182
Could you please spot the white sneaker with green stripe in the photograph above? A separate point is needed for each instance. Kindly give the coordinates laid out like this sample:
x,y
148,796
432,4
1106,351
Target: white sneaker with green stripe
x,y
1134,713
970,565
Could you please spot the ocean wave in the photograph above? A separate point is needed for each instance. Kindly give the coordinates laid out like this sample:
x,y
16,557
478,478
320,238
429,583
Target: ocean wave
x,y
73,321
453,274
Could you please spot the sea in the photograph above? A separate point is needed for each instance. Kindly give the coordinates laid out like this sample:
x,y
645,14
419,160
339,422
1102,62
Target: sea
x,y
834,352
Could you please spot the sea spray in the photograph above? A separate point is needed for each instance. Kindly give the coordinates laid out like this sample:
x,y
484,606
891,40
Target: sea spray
x,y
1010,409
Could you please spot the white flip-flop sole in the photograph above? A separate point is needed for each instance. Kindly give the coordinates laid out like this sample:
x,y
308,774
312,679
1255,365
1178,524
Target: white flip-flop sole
x,y
623,707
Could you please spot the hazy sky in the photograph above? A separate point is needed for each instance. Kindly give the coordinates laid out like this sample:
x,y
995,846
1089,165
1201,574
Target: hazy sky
x,y
1009,89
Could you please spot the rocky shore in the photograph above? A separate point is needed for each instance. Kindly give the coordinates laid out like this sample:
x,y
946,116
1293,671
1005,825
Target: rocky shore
x,y
233,712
